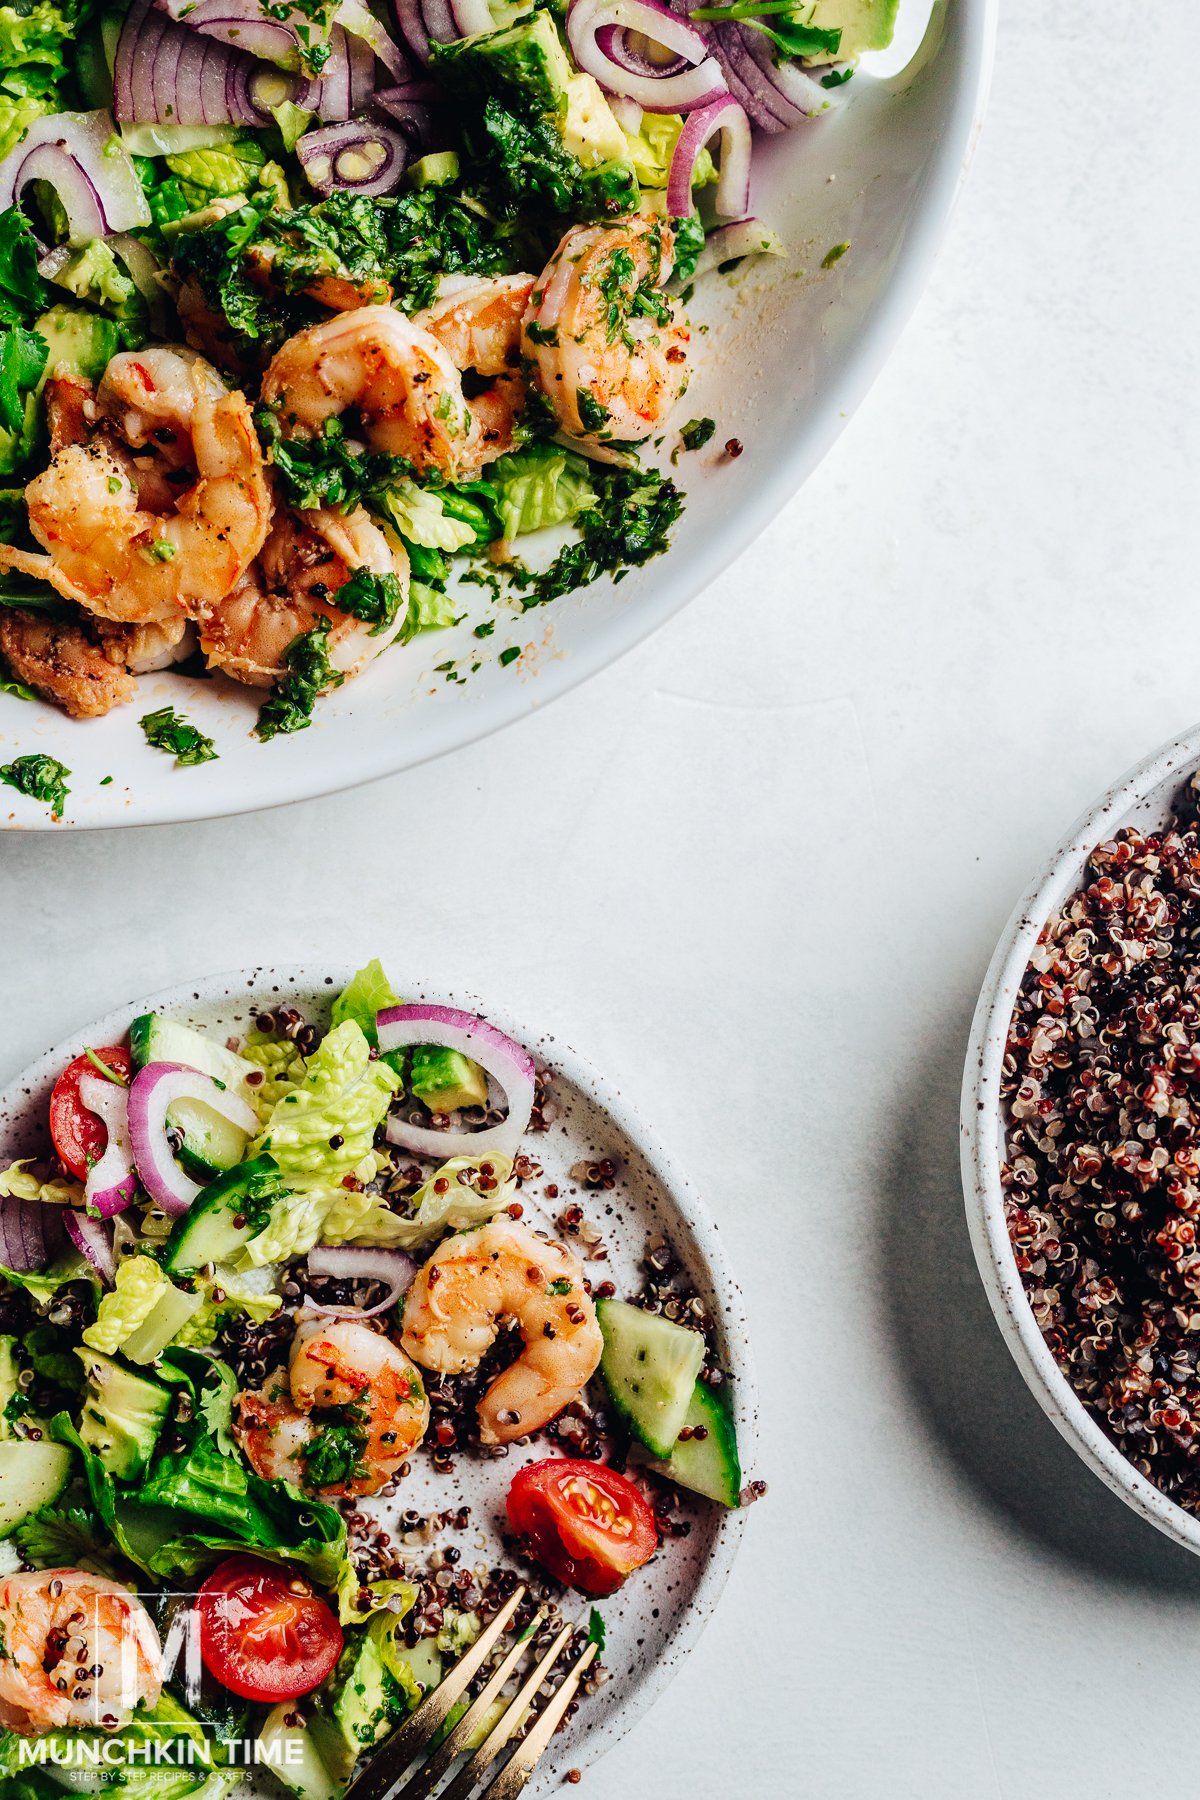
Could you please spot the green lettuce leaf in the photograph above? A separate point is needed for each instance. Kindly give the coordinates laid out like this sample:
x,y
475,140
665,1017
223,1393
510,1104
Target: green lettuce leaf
x,y
538,486
33,46
461,1205
421,517
344,1097
138,1287
365,995
43,1286
240,1293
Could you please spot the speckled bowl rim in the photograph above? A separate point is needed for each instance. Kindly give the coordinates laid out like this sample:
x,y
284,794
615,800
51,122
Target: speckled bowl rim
x,y
677,1192
1145,787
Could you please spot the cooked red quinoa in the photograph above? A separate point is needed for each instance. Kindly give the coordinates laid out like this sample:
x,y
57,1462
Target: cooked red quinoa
x,y
1102,1178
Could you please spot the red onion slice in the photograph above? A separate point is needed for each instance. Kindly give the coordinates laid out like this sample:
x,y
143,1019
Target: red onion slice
x,y
730,243
165,74
358,1262
357,157
89,169
777,96
363,27
726,118
697,83
615,42
93,1239
111,1183
154,1089
418,108
30,1234
509,1065
410,23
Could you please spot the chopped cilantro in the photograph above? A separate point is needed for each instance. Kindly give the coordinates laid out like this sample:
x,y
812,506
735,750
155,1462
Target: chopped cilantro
x,y
41,778
596,1633
335,1455
834,255
168,730
792,35
22,290
592,416
486,629
309,673
324,471
509,655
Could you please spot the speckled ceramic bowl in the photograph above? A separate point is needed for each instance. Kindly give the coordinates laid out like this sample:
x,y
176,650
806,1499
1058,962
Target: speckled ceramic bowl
x,y
656,1618
1142,798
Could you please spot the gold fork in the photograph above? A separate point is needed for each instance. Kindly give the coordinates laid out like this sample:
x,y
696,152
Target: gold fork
x,y
387,1777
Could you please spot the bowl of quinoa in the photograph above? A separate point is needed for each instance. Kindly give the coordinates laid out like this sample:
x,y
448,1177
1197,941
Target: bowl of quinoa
x,y
1080,1138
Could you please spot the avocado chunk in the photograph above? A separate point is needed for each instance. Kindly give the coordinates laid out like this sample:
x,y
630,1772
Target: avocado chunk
x,y
522,61
122,1416
79,343
356,1709
446,1080
864,25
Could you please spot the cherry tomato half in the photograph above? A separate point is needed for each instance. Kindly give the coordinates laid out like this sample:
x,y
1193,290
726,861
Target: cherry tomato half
x,y
586,1524
81,1138
264,1633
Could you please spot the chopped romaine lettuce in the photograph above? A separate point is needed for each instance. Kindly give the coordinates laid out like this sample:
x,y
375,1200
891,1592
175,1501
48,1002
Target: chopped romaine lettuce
x,y
365,994
33,39
226,1294
138,1287
422,518
17,1181
538,486
462,1204
16,116
343,1097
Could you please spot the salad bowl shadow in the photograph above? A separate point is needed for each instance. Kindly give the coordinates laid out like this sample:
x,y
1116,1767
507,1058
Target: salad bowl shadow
x,y
1142,798
790,349
654,1620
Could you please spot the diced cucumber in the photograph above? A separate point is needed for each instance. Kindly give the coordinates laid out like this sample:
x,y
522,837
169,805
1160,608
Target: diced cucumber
x,y
707,1464
210,1143
33,1473
290,1754
208,1232
156,1331
649,1365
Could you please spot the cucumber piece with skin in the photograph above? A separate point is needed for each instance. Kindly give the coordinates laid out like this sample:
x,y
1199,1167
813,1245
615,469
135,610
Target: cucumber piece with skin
x,y
208,1232
649,1366
292,1757
33,1473
210,1143
707,1464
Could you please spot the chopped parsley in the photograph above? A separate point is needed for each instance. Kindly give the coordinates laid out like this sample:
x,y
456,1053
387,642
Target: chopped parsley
x,y
595,1631
509,655
324,471
41,778
170,731
592,416
334,1458
696,433
309,673
376,599
631,522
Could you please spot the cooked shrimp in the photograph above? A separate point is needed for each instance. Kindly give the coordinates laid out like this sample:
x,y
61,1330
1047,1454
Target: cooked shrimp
x,y
126,563
58,658
607,348
479,1280
304,563
477,319
208,331
78,1651
359,1380
401,382
150,396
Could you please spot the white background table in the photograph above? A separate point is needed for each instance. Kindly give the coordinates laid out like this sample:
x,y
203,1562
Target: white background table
x,y
756,871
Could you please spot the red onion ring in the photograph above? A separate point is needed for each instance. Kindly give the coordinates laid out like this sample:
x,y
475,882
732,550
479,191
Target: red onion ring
x,y
163,73
728,119
93,1239
510,1066
30,1234
614,42
85,163
154,1089
326,158
111,1183
699,82
359,1262
777,96
418,108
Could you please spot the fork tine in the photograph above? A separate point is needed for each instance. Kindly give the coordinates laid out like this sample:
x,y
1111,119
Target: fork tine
x,y
474,1772
426,1777
382,1775
530,1750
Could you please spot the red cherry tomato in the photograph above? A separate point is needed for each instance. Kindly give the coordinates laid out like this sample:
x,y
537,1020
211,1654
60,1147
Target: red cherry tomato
x,y
81,1138
586,1524
264,1633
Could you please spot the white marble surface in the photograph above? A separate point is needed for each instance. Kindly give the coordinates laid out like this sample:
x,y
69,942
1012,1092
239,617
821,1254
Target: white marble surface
x,y
757,870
